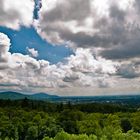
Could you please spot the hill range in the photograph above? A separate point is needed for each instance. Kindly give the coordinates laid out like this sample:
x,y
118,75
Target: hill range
x,y
18,96
119,99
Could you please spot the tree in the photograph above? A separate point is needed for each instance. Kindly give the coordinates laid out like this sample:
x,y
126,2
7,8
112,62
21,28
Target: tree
x,y
32,133
126,125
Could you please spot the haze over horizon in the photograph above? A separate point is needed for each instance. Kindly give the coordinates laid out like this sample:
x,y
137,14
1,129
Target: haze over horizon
x,y
73,47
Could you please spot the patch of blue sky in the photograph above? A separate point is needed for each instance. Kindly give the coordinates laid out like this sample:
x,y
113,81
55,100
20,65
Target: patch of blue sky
x,y
38,5
28,37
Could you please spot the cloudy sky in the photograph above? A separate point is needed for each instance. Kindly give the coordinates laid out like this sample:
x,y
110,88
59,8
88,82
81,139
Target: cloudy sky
x,y
70,47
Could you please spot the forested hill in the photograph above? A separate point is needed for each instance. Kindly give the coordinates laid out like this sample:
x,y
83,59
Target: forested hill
x,y
18,96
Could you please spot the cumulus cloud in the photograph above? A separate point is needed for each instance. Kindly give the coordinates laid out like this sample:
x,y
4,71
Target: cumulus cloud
x,y
4,47
85,62
15,13
84,69
32,52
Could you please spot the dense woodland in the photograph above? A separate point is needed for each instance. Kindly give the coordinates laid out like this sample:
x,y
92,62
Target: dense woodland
x,y
40,120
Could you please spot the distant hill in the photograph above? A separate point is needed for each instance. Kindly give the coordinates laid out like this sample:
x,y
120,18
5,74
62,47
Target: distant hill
x,y
42,96
17,96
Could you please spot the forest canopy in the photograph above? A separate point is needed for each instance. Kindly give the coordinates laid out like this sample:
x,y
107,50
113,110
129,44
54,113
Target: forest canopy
x,y
38,120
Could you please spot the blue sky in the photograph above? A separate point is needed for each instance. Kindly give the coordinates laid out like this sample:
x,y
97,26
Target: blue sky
x,y
28,37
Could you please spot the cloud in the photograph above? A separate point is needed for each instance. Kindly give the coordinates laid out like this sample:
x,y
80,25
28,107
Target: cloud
x,y
129,71
4,47
128,49
15,13
32,52
85,62
83,69
110,25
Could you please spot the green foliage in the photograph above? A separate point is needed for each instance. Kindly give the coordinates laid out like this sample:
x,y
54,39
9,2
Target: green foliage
x,y
32,133
136,121
66,136
116,136
36,120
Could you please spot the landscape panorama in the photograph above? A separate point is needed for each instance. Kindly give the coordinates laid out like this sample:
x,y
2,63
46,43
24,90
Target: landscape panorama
x,y
69,69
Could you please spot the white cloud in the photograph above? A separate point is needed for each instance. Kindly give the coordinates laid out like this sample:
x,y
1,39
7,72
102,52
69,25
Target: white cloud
x,y
4,47
32,52
85,62
16,13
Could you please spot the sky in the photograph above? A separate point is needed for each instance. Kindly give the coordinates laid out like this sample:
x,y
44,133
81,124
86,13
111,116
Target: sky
x,y
73,47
